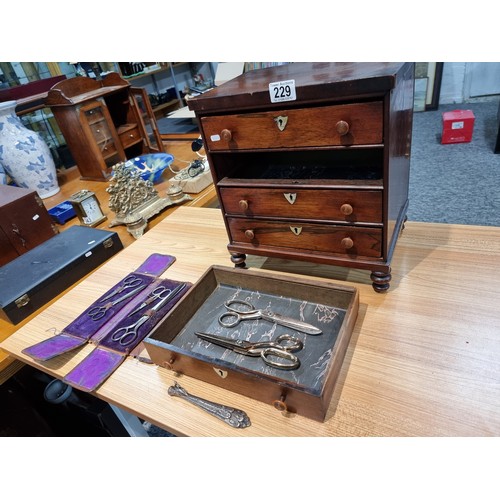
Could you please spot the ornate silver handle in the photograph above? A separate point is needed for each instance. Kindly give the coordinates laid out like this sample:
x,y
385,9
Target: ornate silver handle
x,y
232,416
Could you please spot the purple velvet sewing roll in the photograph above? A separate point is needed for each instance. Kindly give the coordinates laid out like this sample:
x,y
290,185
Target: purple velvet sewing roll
x,y
90,321
94,369
86,326
125,337
53,346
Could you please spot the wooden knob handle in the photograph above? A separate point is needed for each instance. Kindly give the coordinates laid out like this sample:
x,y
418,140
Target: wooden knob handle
x,y
169,365
243,204
280,404
347,243
346,209
249,234
226,135
342,127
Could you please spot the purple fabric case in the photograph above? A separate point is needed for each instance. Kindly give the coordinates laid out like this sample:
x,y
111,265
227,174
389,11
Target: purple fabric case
x,y
107,357
84,328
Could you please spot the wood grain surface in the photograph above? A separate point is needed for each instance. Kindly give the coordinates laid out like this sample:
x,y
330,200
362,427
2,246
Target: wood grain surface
x,y
423,359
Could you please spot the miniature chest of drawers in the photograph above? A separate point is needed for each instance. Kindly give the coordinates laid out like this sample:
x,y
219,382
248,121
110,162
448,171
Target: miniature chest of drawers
x,y
311,161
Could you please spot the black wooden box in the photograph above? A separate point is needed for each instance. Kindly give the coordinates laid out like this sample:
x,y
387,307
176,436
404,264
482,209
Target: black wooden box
x,y
36,277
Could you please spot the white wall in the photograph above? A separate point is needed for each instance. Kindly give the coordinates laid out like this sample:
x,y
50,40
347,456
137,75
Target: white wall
x,y
457,79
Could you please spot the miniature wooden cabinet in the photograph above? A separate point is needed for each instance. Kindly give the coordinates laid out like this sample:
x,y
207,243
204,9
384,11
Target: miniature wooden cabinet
x,y
311,161
104,122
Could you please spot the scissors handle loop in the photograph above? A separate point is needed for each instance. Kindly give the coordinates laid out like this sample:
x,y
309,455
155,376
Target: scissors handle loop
x,y
127,334
96,313
270,353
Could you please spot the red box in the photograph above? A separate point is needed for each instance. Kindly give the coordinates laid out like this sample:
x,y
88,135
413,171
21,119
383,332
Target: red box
x,y
458,126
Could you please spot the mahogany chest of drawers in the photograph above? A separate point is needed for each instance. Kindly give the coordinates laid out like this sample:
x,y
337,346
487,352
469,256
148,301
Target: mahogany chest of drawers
x,y
311,161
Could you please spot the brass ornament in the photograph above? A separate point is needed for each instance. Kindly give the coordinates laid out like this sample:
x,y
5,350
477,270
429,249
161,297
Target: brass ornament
x,y
135,200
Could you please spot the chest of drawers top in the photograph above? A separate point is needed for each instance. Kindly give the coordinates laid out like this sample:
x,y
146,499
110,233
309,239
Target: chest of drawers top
x,y
314,83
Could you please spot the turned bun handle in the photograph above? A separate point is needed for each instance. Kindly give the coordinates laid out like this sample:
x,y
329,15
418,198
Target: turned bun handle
x,y
226,135
243,204
280,404
342,127
169,365
347,243
346,209
249,234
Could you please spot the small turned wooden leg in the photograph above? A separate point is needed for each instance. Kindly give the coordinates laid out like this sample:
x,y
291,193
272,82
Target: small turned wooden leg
x,y
238,259
381,281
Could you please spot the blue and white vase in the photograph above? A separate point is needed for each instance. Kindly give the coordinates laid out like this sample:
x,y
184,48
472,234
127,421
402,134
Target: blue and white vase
x,y
24,155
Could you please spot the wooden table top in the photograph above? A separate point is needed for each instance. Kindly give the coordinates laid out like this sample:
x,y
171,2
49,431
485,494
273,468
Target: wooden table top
x,y
423,360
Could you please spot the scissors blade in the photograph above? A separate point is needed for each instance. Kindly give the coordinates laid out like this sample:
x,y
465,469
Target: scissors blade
x,y
129,294
239,346
295,324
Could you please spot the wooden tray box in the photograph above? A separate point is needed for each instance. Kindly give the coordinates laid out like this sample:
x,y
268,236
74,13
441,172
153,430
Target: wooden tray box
x,y
307,390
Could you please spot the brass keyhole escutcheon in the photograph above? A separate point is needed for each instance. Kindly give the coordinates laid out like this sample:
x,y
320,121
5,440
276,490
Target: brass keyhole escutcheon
x,y
296,230
281,122
220,372
290,197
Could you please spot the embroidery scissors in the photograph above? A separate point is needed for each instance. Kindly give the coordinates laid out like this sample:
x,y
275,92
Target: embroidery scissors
x,y
234,315
158,293
98,312
129,282
127,334
268,350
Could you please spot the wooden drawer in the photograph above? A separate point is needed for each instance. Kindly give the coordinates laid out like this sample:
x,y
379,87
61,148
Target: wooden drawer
x,y
108,149
101,132
327,238
322,204
348,124
129,136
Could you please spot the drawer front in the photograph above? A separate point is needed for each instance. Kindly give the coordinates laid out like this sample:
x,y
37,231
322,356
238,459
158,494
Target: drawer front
x,y
347,124
366,242
344,205
130,137
101,132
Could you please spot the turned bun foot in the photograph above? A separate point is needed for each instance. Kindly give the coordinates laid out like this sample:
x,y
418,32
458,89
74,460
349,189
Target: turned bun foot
x,y
381,281
238,259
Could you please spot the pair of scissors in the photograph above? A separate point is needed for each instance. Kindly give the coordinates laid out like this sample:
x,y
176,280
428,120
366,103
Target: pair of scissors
x,y
282,348
129,282
234,315
159,292
127,334
98,312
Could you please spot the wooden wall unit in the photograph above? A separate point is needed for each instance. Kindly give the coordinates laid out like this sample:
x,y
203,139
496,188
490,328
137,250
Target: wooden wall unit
x,y
103,122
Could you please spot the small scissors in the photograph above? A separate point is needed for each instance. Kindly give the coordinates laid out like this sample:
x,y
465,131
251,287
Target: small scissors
x,y
282,348
129,282
158,293
234,315
127,334
98,312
